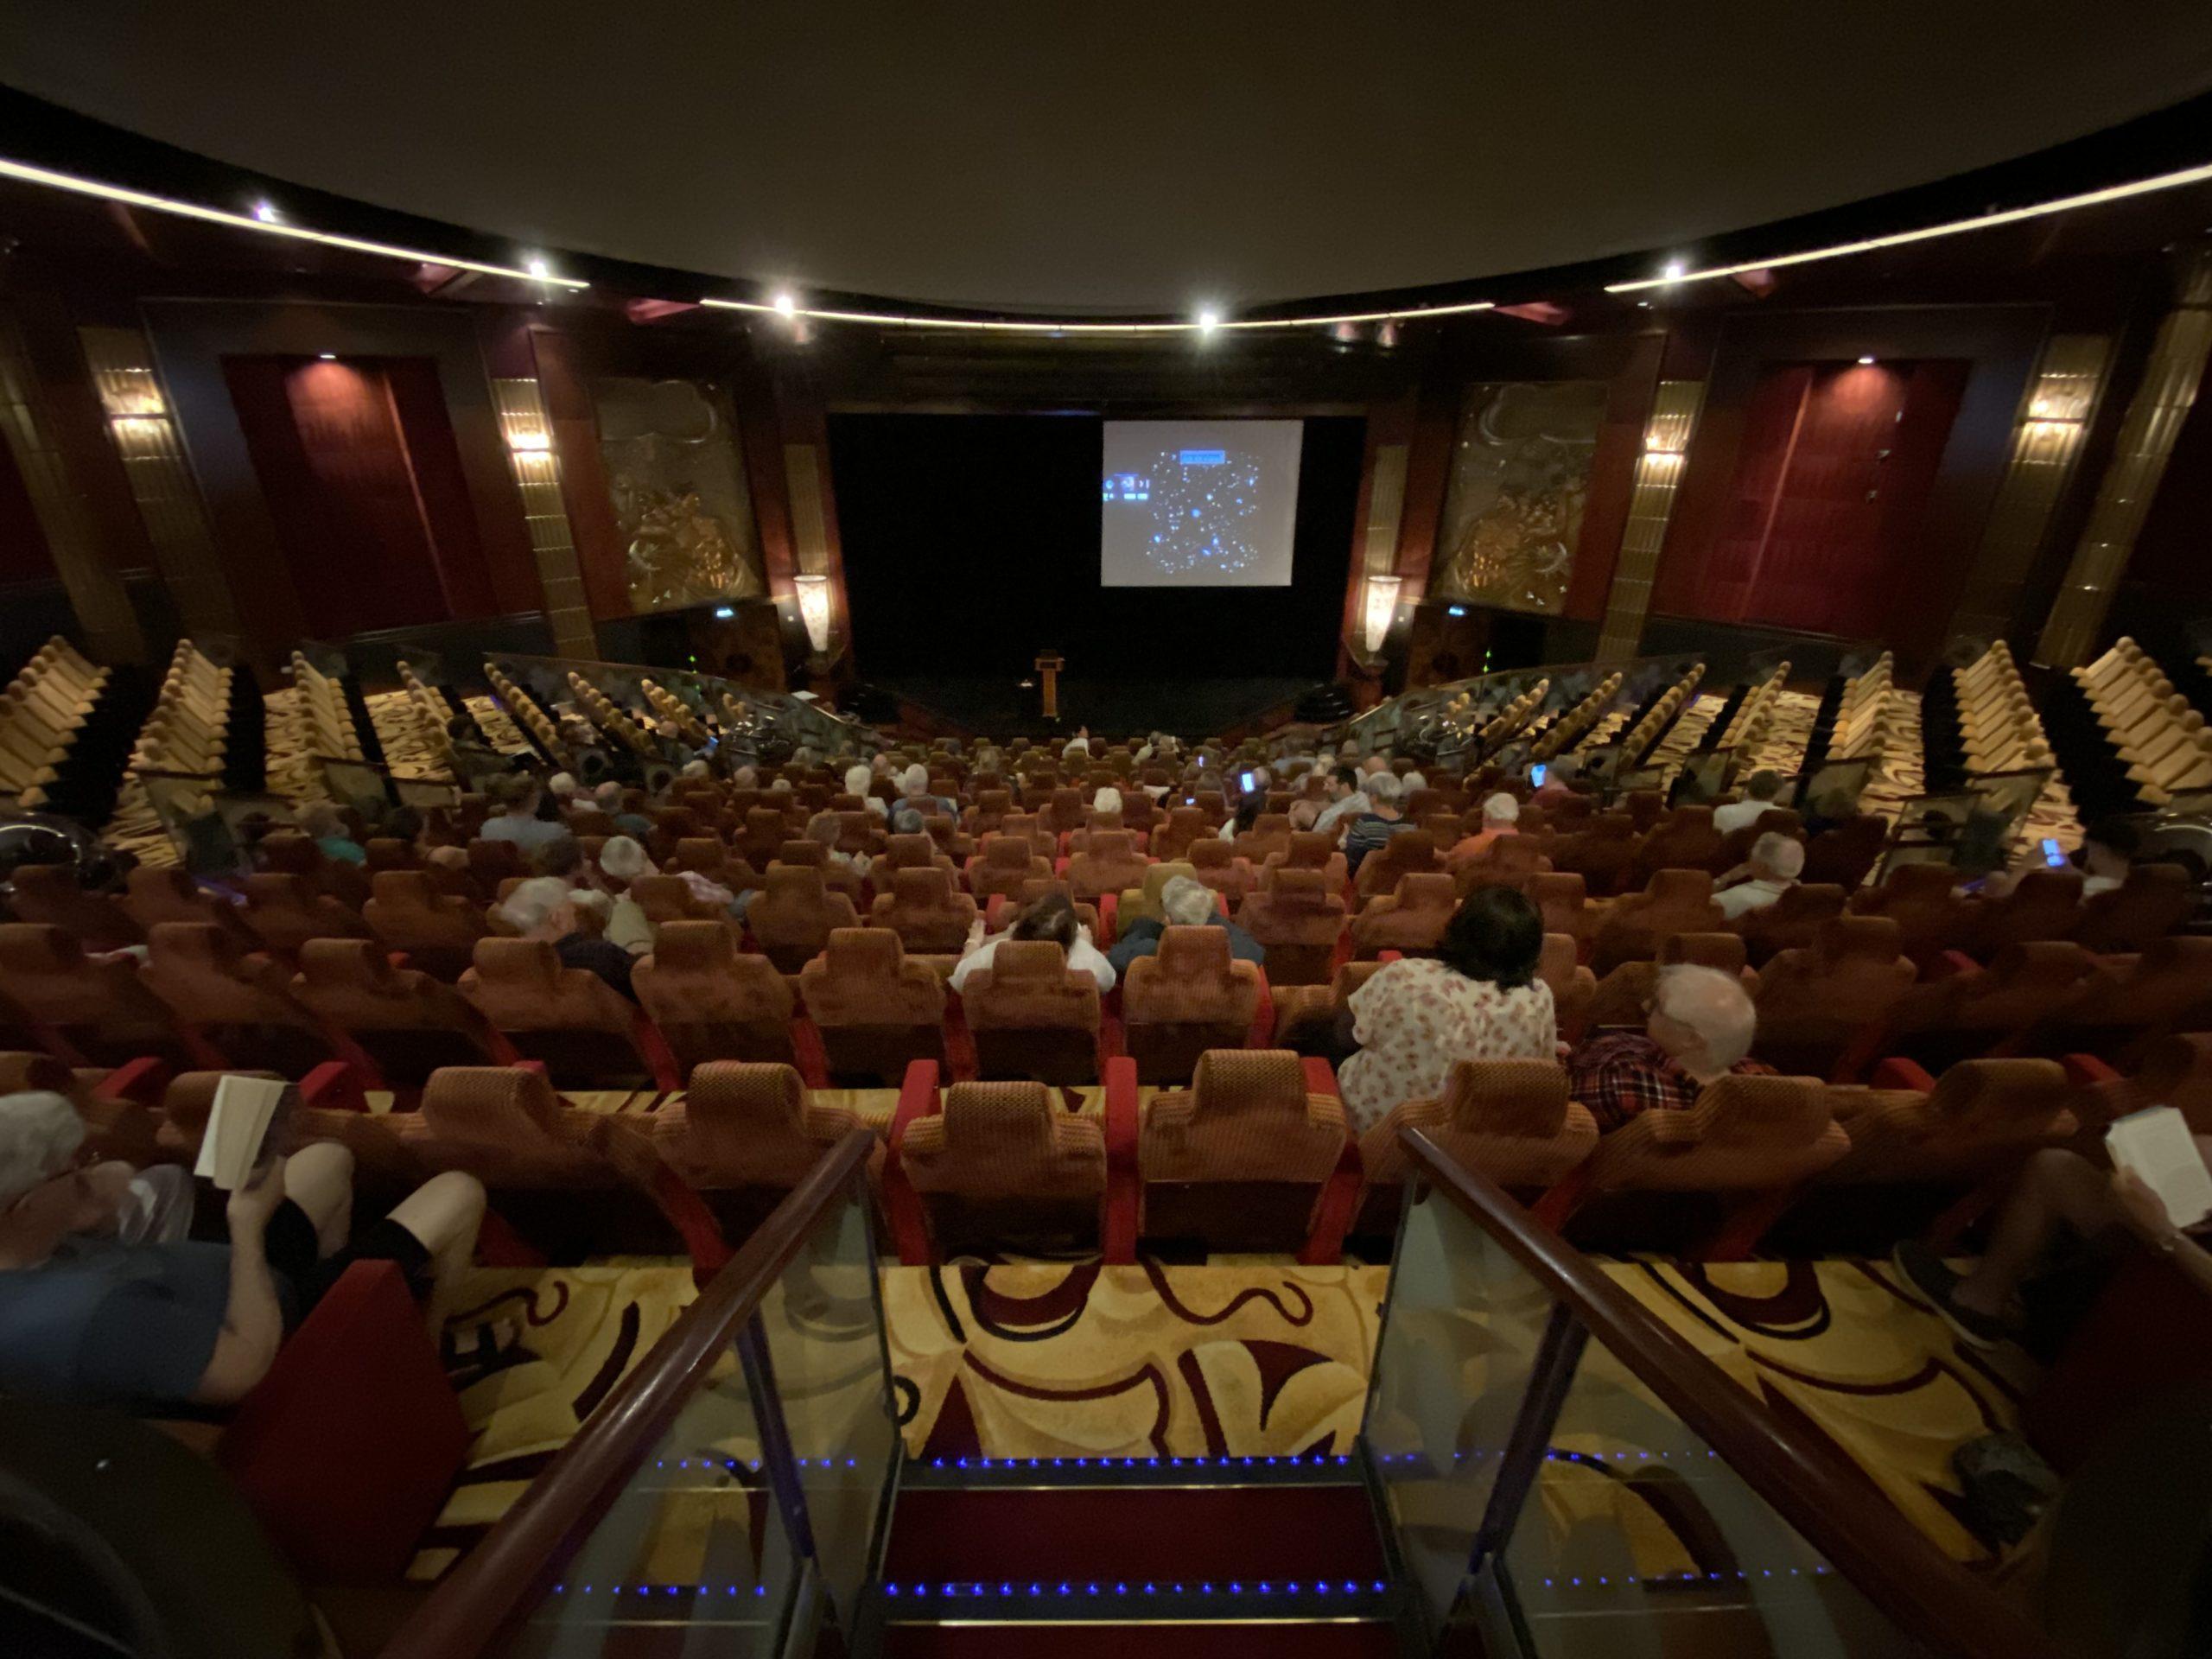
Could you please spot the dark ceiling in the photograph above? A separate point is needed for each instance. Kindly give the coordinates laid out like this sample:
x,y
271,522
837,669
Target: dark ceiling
x,y
1141,157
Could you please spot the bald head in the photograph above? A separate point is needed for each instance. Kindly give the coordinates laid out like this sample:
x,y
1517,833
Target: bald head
x,y
1703,1018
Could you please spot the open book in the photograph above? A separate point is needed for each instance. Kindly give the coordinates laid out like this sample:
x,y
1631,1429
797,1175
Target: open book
x,y
2155,1145
236,1125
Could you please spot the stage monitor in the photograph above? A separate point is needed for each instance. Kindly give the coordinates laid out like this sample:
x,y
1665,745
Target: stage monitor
x,y
1199,504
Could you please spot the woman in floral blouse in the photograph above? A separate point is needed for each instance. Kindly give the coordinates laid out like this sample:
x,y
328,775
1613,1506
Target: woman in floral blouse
x,y
1480,1000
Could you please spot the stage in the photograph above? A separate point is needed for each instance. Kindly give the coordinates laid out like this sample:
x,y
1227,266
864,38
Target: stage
x,y
1118,707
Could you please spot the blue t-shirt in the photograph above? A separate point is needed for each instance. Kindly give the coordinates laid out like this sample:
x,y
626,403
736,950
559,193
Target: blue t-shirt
x,y
124,1323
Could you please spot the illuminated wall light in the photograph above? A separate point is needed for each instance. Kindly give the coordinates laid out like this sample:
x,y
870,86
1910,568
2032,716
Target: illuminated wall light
x,y
1865,362
266,213
327,357
529,442
253,221
786,305
1382,608
1055,329
814,610
1674,271
2176,181
1209,320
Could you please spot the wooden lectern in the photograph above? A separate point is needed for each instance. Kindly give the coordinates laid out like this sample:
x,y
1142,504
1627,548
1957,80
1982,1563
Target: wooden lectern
x,y
1049,664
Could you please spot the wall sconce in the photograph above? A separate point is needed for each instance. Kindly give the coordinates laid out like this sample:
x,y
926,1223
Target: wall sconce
x,y
527,440
814,610
1382,608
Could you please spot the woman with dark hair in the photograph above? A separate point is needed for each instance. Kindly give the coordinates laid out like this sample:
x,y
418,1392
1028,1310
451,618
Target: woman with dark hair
x,y
1052,918
1479,999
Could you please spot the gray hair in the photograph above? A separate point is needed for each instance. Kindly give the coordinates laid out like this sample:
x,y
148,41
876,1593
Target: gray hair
x,y
1501,808
857,779
561,785
623,858
1712,1003
609,795
695,769
1784,854
531,906
915,781
908,821
1385,787
1107,799
39,1133
1187,902
594,903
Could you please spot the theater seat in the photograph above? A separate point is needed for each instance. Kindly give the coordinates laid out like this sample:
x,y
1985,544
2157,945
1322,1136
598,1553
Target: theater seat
x,y
1931,918
1306,1016
1033,1016
744,1135
83,1012
1574,988
157,893
1791,922
1675,901
876,1011
50,895
437,930
406,1023
1971,1012
1270,836
1602,853
1298,921
1510,1119
1411,920
1620,996
1002,1165
285,912
241,1003
491,862
1187,997
766,830
586,1034
1845,854
1822,1007
1109,862
711,1002
1509,861
1410,852
1306,850
2123,999
1185,824
1240,1161
1215,863
1143,903
2151,902
665,898
1004,864
795,916
809,854
2045,904
929,914
1563,898
1684,840
1980,1118
916,852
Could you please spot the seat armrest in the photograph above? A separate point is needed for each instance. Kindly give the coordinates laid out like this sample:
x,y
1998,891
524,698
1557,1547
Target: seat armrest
x,y
335,1084
902,1205
1895,1074
143,1081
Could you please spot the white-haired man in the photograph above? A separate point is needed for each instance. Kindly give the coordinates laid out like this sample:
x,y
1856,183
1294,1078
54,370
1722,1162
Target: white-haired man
x,y
1699,1028
89,1314
545,908
1186,903
1777,861
860,779
1501,818
914,791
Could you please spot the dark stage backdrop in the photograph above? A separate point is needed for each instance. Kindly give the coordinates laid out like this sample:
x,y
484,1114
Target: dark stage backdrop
x,y
971,543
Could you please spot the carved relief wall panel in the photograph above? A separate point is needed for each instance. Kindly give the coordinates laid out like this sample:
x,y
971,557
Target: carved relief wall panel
x,y
1520,478
677,480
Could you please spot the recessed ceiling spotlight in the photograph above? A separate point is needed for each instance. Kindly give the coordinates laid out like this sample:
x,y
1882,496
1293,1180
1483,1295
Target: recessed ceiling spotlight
x,y
786,305
1209,320
1644,305
327,357
1674,271
267,213
1865,359
538,268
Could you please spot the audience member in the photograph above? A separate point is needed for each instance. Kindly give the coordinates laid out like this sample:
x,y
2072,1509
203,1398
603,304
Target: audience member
x,y
320,822
1346,800
824,829
1383,819
1478,998
621,862
561,787
87,1315
1760,791
543,908
1188,904
2107,853
514,797
1776,864
1561,774
1107,800
914,790
859,780
562,858
1305,813
608,799
1052,917
1501,816
1698,1027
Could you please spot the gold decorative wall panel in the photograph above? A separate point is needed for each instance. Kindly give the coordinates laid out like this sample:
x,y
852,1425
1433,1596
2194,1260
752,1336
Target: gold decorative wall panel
x,y
161,483
2155,414
1651,502
677,475
1386,507
536,467
95,590
1520,479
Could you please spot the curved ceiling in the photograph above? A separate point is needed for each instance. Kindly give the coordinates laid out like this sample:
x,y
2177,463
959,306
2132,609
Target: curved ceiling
x,y
1133,156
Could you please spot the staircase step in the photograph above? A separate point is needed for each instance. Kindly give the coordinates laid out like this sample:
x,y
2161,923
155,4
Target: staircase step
x,y
1365,1640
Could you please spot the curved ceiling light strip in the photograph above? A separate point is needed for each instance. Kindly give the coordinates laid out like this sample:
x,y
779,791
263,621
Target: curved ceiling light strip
x,y
271,227
1196,326
1928,232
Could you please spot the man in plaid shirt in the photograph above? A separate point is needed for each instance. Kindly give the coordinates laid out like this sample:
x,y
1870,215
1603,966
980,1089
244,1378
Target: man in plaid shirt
x,y
1700,1029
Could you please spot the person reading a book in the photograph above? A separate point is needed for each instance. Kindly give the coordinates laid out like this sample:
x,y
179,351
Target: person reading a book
x,y
87,1317
2055,1193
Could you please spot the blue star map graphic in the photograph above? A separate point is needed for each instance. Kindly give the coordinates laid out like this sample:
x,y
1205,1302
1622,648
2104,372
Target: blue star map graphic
x,y
1201,503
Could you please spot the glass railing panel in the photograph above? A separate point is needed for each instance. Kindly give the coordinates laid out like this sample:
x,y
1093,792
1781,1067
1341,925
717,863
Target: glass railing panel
x,y
822,1327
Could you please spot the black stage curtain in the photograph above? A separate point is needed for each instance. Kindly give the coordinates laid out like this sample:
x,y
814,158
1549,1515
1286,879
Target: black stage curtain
x,y
971,543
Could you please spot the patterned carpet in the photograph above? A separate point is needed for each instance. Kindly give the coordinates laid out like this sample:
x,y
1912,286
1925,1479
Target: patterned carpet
x,y
1235,1358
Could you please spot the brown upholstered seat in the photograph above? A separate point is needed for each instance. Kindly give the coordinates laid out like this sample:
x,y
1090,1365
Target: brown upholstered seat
x,y
1298,921
1675,901
491,862
991,805
1982,1117
1574,988
1109,863
1411,920
916,852
1816,1004
1185,825
1143,903
1238,1162
1621,994
929,914
1736,845
766,830
1411,852
745,1134
2151,902
1034,1016
876,1011
586,1034
1188,996
437,930
409,1023
1563,900
1791,922
1509,861
1004,864
1002,1164
711,1002
157,893
1269,835
1306,849
1846,854
50,895
2043,903
1510,1119
795,916
2167,988
1930,917
1969,1015
85,1012
1602,852
807,853
1307,1015
1217,864
665,898
243,1004
285,912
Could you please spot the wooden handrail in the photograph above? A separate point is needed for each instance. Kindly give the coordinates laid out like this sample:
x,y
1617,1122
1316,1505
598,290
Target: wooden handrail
x,y
530,1544
1831,1505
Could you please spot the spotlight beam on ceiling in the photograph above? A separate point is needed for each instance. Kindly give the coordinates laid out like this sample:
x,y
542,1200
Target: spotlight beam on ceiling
x,y
273,225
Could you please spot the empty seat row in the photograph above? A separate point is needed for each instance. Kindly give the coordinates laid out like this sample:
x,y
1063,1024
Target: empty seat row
x,y
42,711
